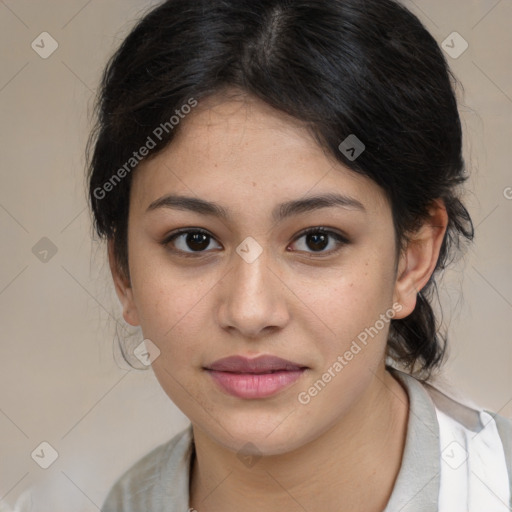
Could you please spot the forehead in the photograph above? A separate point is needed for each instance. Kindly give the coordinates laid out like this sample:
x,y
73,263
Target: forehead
x,y
240,150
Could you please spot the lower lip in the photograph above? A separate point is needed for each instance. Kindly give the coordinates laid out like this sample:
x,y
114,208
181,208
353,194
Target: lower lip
x,y
254,385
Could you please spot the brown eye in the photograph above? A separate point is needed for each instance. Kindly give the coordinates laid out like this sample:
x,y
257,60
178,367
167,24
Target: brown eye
x,y
316,240
189,241
197,241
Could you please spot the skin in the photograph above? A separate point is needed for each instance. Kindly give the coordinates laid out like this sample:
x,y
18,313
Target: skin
x,y
294,302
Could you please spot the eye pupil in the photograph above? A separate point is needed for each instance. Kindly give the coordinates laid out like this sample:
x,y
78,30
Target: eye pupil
x,y
197,238
318,238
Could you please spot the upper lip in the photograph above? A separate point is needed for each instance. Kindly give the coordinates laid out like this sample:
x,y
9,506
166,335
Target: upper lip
x,y
260,364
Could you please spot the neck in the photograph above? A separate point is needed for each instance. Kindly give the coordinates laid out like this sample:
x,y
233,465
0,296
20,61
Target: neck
x,y
330,473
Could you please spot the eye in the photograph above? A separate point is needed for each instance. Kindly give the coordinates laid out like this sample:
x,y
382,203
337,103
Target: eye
x,y
197,240
317,239
193,242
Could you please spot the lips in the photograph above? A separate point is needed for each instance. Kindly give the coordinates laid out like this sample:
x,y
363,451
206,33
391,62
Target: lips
x,y
256,378
261,364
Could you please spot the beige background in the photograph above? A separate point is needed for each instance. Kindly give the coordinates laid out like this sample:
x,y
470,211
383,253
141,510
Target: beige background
x,y
59,379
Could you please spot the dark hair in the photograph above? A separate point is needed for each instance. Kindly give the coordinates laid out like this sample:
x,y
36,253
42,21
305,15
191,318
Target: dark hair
x,y
363,67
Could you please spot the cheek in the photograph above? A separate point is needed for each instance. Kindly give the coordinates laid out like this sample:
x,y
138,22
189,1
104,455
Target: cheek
x,y
174,306
354,298
357,310
169,305
172,315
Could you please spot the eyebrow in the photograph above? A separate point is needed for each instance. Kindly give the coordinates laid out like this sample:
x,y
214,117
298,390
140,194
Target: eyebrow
x,y
280,212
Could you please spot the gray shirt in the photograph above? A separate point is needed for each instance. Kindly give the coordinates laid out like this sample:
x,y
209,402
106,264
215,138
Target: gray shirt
x,y
159,482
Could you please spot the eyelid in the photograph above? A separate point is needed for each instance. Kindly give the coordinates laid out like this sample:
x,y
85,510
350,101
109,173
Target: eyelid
x,y
324,230
182,231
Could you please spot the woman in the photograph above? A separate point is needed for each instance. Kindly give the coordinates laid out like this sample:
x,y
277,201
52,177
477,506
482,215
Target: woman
x,y
278,183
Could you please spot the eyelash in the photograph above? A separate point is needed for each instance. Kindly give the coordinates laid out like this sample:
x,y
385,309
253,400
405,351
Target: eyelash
x,y
340,240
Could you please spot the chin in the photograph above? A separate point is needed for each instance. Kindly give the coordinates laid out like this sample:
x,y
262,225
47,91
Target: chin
x,y
259,437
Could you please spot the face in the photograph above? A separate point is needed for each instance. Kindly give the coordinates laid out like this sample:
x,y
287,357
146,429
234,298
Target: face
x,y
205,286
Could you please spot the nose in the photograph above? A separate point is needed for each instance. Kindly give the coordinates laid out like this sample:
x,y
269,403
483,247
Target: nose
x,y
253,298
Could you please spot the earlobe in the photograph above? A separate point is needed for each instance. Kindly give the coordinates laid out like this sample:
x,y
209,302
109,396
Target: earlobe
x,y
419,259
123,288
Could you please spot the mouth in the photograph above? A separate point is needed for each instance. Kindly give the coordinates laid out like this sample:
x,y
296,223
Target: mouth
x,y
259,377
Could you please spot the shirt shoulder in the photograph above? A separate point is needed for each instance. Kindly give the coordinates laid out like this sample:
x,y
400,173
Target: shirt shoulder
x,y
457,456
473,418
504,426
478,436
157,482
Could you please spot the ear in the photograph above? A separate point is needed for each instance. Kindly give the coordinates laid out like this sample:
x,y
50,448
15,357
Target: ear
x,y
419,259
123,288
